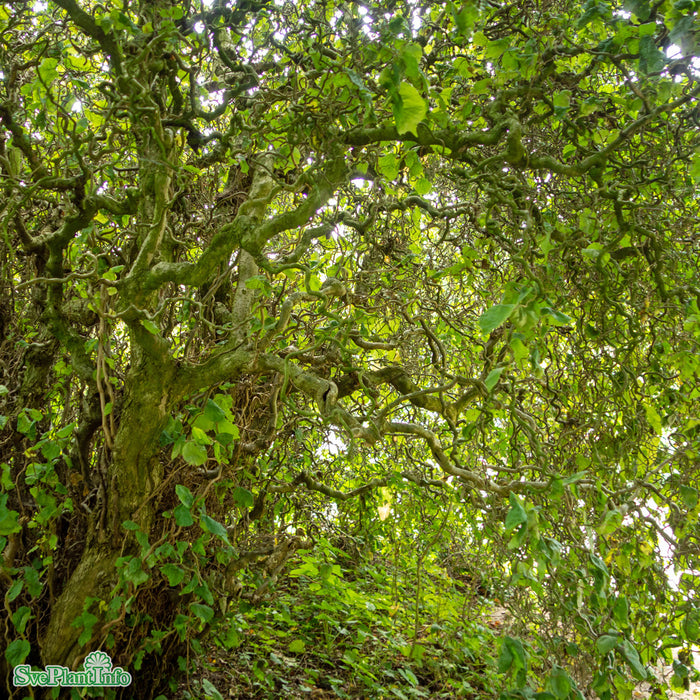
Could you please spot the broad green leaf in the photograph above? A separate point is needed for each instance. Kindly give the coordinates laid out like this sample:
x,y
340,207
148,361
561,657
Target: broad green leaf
x,y
199,437
495,316
409,109
297,646
512,655
14,590
203,423
654,419
214,412
621,611
243,497
423,186
493,376
183,516
203,612
257,282
134,572
631,656
17,651
557,316
691,626
216,528
520,351
516,515
689,496
185,495
31,580
194,454
388,166
559,683
20,618
651,60
174,573
562,102
47,70
611,522
606,643
8,518
210,691
228,428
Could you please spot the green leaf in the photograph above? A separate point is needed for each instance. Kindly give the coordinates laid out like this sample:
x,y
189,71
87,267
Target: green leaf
x,y
493,376
592,10
495,316
621,611
135,573
203,612
631,656
516,515
175,574
611,522
512,655
561,102
257,282
640,8
297,646
210,690
356,80
560,683
388,166
182,516
216,528
228,428
214,412
689,496
694,169
14,590
606,643
651,60
574,478
201,422
243,497
17,651
47,69
520,351
32,582
8,518
185,495
654,419
423,186
409,109
194,454
557,316
691,626
20,618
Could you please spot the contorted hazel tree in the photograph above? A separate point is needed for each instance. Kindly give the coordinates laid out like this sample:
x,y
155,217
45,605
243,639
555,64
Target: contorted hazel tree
x,y
459,240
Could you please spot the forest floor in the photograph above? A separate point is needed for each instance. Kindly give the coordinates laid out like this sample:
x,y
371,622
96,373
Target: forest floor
x,y
362,632
263,667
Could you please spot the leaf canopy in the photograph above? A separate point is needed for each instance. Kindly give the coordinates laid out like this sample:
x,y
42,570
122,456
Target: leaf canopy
x,y
319,267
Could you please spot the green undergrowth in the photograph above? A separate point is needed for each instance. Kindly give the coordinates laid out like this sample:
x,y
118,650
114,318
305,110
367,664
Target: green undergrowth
x,y
336,628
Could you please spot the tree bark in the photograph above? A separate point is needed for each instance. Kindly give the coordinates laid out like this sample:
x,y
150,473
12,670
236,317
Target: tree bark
x,y
132,475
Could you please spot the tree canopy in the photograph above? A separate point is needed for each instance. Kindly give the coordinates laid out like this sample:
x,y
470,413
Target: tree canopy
x,y
302,287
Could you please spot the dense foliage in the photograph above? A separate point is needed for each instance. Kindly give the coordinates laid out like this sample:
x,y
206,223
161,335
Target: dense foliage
x,y
321,320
